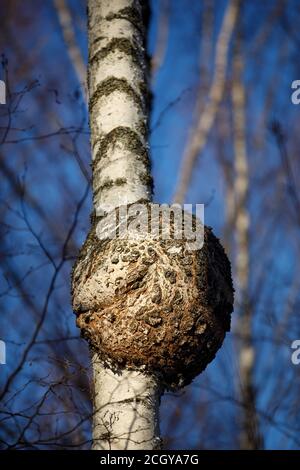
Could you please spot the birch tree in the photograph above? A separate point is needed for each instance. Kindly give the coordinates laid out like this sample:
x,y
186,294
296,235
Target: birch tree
x,y
153,311
250,435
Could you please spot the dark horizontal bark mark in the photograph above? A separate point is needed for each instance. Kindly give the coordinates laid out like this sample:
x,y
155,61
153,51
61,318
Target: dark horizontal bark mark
x,y
108,184
96,40
130,14
146,179
135,400
123,45
111,84
131,141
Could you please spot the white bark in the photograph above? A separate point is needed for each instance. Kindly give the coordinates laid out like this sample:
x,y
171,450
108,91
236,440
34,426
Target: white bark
x,y
126,408
200,132
118,103
126,403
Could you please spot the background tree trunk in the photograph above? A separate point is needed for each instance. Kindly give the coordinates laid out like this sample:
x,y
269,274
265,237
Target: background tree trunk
x,y
250,437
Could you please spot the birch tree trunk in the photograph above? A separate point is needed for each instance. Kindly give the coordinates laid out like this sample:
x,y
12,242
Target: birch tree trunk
x,y
126,409
155,311
126,403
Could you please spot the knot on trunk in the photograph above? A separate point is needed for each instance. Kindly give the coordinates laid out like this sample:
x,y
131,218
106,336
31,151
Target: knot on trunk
x,y
148,301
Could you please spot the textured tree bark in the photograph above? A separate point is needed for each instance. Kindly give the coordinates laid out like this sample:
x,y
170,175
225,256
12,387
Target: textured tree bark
x,y
154,310
126,403
126,409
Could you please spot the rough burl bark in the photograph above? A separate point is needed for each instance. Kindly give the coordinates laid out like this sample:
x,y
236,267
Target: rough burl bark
x,y
153,311
153,304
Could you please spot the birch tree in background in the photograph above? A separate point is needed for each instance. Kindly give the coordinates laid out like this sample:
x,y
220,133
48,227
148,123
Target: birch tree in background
x,y
65,20
250,434
40,236
154,311
205,120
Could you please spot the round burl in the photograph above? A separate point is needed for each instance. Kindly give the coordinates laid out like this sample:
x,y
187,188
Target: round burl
x,y
152,304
